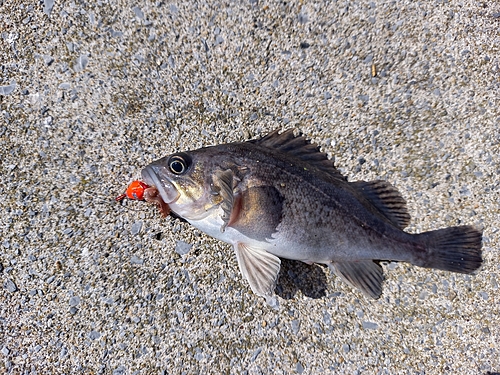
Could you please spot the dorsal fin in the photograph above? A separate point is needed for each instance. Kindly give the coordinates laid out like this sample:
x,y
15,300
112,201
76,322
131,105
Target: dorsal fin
x,y
301,148
386,199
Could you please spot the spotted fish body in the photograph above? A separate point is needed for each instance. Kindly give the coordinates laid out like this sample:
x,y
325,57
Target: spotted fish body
x,y
280,197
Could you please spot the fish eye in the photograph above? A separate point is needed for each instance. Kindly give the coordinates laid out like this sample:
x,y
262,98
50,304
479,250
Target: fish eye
x,y
178,164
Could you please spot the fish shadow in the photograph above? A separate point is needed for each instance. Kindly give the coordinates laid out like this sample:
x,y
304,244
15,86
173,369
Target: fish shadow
x,y
295,276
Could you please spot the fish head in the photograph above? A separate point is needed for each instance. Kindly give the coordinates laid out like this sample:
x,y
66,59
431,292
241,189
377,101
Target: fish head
x,y
182,183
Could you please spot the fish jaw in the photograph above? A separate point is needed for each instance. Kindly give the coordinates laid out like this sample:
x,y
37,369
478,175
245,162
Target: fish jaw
x,y
154,175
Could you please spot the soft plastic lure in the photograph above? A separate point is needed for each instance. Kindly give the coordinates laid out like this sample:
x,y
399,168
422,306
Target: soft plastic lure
x,y
138,190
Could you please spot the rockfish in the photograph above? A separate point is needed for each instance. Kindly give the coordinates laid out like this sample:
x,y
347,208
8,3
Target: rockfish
x,y
280,197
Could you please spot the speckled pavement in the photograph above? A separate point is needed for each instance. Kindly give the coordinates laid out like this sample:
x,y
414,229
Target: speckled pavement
x,y
91,92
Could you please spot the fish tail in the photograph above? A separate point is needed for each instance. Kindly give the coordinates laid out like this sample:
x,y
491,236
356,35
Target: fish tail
x,y
455,249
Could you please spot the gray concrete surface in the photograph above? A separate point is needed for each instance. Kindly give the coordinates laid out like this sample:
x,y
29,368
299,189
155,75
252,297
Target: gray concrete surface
x,y
401,90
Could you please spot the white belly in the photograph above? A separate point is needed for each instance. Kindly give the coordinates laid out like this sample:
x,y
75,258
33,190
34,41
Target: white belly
x,y
278,245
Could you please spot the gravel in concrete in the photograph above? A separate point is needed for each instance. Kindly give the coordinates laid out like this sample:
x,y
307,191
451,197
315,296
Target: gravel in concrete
x,y
90,92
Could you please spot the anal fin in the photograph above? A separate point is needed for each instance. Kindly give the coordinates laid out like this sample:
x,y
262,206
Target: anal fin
x,y
259,267
365,275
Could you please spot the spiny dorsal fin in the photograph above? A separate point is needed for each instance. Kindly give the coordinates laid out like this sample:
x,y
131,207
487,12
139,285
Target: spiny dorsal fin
x,y
301,148
386,199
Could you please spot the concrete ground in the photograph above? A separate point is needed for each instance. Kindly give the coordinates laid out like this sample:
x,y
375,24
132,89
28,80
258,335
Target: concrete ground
x,y
91,92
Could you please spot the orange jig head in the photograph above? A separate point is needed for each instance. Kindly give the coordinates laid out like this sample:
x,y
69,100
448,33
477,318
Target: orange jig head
x,y
134,191
140,191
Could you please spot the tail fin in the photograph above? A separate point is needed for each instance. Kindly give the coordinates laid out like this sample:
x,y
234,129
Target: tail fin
x,y
455,249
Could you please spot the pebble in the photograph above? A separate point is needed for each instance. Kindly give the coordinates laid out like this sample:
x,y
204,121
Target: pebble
x,y
299,368
138,12
10,286
74,301
65,86
136,260
327,318
48,5
364,98
80,63
484,295
136,227
63,352
369,325
47,59
8,89
199,355
182,248
255,354
295,326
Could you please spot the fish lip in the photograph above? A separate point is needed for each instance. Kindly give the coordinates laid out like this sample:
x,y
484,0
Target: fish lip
x,y
153,176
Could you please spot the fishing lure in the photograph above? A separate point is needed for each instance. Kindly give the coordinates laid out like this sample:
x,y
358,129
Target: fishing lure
x,y
138,190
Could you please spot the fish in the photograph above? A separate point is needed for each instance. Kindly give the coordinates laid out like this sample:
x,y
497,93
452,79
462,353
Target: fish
x,y
279,196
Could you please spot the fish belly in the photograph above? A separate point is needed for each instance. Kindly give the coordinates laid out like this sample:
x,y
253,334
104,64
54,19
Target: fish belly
x,y
340,241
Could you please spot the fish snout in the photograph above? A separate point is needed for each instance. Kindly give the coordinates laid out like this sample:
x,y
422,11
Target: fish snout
x,y
157,176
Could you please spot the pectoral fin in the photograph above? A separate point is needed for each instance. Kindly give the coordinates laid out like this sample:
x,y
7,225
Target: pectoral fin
x,y
364,274
223,180
259,267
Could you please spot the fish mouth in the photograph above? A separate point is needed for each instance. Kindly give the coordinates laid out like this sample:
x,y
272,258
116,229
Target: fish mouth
x,y
154,175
